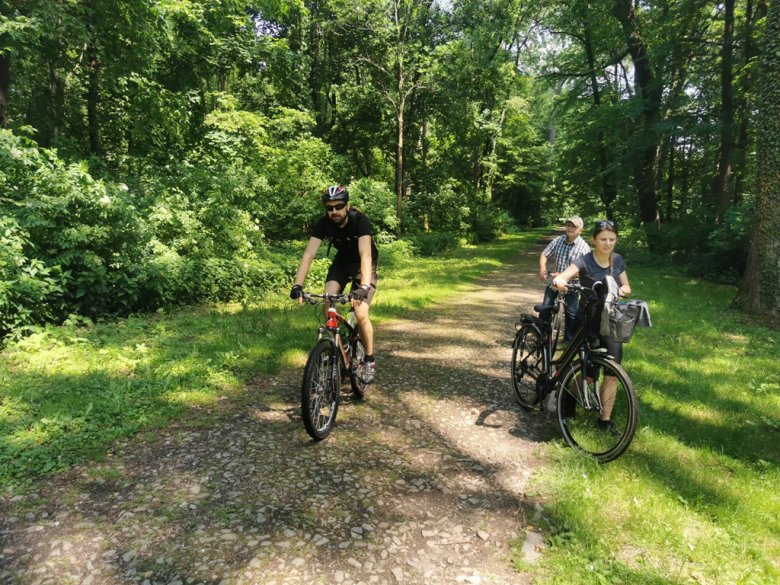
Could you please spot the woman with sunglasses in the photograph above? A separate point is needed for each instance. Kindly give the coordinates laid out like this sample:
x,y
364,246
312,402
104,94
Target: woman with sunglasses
x,y
349,231
592,268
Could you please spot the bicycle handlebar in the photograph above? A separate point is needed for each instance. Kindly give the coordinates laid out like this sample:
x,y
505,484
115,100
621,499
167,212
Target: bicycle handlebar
x,y
320,298
572,282
591,292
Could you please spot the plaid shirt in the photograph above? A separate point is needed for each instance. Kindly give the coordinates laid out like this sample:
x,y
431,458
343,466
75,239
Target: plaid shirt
x,y
565,252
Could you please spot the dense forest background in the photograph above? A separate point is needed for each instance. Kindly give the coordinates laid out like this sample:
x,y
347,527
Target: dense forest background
x,y
156,152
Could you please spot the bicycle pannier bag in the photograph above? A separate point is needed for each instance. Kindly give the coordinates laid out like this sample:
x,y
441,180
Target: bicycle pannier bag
x,y
618,321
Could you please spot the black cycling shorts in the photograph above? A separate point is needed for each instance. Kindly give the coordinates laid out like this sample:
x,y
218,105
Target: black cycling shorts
x,y
345,272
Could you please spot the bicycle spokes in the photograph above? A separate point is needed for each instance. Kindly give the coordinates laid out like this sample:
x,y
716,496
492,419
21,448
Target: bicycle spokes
x,y
598,416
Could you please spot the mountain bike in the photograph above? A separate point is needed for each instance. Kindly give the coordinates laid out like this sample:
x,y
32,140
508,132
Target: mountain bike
x,y
339,351
590,385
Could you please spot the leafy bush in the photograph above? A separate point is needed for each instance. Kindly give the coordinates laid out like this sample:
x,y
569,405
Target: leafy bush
x,y
489,223
431,243
29,290
377,201
696,245
87,228
446,210
396,253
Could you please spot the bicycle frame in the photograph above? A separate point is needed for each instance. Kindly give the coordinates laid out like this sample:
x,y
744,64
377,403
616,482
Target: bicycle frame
x,y
332,326
579,345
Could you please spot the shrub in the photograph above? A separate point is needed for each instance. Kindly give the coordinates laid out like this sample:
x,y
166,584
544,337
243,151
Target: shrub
x,y
29,290
431,243
377,201
446,210
396,253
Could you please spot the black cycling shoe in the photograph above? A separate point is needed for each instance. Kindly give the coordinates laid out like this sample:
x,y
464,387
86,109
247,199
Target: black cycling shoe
x,y
609,426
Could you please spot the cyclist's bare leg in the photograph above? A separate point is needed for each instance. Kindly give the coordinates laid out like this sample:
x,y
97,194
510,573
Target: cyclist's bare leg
x,y
332,287
608,395
366,328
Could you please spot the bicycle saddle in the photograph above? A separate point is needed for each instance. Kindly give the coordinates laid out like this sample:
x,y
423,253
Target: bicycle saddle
x,y
545,311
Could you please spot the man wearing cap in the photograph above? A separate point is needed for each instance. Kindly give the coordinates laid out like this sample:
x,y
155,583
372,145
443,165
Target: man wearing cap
x,y
565,249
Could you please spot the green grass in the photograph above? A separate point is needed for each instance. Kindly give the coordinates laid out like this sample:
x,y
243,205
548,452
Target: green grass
x,y
66,393
695,499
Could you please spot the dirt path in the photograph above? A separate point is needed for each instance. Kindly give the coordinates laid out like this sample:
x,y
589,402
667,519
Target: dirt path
x,y
422,482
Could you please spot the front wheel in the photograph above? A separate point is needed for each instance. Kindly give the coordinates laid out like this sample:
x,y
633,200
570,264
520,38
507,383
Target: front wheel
x,y
599,417
527,366
358,355
320,390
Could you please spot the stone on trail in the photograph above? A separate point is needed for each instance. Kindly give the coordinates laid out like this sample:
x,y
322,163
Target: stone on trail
x,y
533,543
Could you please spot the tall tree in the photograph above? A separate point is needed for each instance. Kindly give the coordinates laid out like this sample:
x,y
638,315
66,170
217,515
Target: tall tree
x,y
12,25
401,35
650,90
760,290
727,110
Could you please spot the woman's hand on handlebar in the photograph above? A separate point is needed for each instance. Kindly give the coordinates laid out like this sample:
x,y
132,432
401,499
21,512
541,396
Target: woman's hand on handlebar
x,y
559,283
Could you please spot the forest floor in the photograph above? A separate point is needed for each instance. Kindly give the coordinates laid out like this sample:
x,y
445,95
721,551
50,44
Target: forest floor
x,y
423,481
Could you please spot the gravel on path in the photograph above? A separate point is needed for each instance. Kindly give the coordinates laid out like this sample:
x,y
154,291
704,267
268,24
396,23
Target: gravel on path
x,y
424,481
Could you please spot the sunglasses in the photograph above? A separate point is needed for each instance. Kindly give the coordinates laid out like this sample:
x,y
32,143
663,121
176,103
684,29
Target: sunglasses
x,y
332,208
605,222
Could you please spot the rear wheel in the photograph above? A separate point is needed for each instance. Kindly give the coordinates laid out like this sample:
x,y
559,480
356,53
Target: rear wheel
x,y
527,365
357,357
582,414
320,390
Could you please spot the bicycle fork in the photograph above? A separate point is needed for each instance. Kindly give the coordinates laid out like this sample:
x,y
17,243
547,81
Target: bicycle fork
x,y
587,394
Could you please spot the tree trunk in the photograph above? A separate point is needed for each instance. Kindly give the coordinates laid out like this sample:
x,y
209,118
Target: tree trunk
x,y
5,76
727,112
493,168
752,51
608,188
686,174
93,99
760,289
57,97
670,180
651,94
399,164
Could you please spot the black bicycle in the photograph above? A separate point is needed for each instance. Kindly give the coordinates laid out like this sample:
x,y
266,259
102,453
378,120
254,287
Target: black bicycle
x,y
338,352
596,403
558,317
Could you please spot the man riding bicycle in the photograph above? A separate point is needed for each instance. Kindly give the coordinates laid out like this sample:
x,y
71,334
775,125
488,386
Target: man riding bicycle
x,y
349,231
566,249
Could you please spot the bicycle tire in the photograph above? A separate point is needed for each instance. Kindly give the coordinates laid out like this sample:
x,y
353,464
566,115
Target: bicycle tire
x,y
320,390
526,366
579,424
558,326
358,352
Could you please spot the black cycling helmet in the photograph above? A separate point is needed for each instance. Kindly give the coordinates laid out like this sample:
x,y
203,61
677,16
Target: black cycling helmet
x,y
335,193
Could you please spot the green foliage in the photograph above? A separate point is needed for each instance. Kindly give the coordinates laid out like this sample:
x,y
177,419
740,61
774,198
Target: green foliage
x,y
430,244
29,291
696,245
445,210
377,201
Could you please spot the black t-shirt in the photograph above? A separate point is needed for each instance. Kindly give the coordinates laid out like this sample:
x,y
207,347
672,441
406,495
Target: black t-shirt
x,y
345,239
